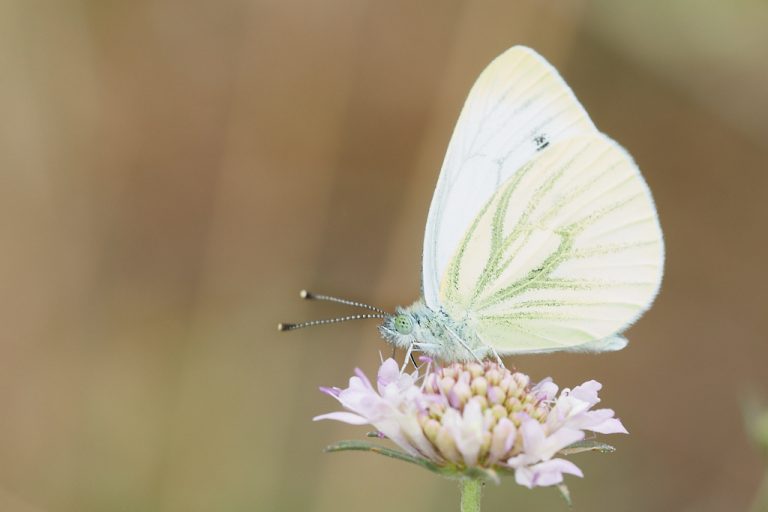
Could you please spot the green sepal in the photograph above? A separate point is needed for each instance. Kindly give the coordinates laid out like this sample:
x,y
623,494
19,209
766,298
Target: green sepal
x,y
448,471
566,494
756,420
587,446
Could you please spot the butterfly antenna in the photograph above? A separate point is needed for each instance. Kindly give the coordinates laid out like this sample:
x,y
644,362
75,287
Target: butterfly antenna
x,y
304,294
312,323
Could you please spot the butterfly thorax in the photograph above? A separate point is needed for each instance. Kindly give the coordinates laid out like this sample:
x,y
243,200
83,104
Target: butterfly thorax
x,y
434,333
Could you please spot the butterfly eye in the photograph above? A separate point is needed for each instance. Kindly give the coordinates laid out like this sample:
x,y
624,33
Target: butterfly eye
x,y
403,324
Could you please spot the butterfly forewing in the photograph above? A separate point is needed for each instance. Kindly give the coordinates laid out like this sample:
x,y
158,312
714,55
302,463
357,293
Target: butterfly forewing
x,y
518,107
568,251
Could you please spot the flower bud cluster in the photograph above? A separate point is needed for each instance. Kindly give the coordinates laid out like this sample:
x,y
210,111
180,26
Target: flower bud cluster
x,y
499,393
477,416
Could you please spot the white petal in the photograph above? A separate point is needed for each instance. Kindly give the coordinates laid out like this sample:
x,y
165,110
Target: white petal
x,y
537,446
390,427
551,472
346,417
502,439
469,434
388,372
609,426
587,392
412,431
559,440
524,476
546,389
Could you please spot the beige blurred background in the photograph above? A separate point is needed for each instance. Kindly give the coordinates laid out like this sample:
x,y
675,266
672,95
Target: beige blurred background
x,y
172,173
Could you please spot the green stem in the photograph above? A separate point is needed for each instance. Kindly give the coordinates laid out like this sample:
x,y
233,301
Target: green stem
x,y
471,492
760,502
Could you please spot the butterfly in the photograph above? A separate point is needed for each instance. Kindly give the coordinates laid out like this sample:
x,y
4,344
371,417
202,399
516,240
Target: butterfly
x,y
542,234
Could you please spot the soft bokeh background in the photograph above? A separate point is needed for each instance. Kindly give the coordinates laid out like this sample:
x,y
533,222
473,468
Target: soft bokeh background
x,y
172,173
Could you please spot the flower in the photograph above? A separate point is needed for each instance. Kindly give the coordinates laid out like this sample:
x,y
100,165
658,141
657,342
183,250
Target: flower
x,y
478,417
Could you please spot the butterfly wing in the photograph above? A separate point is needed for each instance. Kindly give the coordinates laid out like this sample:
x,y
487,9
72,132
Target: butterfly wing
x,y
566,254
518,106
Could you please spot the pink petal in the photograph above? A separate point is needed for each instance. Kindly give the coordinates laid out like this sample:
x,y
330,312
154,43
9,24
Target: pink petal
x,y
502,439
532,432
601,421
524,476
469,435
537,446
609,426
587,392
549,473
413,433
545,390
359,384
559,440
389,372
334,392
391,427
362,378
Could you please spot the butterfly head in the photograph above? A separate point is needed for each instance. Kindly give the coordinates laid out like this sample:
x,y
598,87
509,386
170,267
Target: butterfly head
x,y
399,329
403,324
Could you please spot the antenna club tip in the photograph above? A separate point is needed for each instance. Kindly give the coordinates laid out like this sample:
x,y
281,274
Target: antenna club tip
x,y
304,294
282,327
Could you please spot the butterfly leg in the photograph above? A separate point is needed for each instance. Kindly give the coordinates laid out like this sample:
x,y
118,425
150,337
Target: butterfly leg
x,y
498,357
406,358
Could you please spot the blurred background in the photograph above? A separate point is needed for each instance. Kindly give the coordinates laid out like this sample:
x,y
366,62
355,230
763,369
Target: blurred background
x,y
173,173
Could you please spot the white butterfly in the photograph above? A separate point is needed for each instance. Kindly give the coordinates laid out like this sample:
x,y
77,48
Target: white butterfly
x,y
542,234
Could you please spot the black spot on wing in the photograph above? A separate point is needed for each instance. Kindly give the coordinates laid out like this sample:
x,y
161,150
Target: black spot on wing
x,y
541,142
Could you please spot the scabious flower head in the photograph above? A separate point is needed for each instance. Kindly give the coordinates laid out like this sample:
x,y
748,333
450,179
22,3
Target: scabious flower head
x,y
467,417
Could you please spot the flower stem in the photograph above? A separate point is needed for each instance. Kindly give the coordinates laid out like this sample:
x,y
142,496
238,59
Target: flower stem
x,y
760,502
471,492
